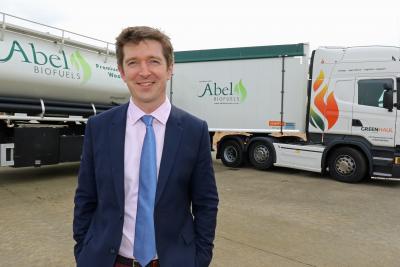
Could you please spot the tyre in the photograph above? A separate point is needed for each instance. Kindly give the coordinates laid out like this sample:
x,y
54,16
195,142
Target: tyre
x,y
261,155
231,154
347,165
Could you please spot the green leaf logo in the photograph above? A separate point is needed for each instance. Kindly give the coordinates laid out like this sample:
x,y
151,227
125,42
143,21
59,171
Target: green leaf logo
x,y
316,120
240,90
79,62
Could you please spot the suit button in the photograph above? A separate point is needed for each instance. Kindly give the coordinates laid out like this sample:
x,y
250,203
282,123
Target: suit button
x,y
121,216
112,250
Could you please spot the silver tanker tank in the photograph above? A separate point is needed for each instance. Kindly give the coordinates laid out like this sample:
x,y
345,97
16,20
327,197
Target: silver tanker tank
x,y
51,82
37,65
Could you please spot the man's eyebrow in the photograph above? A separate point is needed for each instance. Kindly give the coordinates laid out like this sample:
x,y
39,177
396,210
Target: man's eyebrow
x,y
155,57
149,57
129,58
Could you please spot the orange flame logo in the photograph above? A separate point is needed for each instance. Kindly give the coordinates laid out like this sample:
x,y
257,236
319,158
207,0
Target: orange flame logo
x,y
328,109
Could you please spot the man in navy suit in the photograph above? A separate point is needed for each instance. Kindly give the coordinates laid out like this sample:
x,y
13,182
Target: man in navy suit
x,y
106,199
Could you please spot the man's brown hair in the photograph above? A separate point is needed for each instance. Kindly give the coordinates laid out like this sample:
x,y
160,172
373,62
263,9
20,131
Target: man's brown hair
x,y
138,34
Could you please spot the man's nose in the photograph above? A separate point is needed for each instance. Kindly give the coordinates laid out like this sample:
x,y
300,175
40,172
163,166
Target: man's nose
x,y
144,69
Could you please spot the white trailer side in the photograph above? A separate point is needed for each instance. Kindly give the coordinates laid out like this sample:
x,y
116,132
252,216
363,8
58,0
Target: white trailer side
x,y
251,89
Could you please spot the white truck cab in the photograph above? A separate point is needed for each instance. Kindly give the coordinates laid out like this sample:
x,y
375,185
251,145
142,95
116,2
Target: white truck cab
x,y
353,105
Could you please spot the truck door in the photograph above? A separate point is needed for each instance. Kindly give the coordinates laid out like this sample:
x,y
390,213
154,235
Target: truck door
x,y
370,119
397,101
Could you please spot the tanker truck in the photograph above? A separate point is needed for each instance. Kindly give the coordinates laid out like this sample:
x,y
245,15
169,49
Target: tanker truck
x,y
335,112
51,81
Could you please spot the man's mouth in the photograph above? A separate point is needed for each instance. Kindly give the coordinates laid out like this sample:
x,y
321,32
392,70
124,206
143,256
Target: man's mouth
x,y
145,83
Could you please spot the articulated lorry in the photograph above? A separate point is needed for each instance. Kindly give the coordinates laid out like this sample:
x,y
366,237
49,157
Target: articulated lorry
x,y
49,85
334,111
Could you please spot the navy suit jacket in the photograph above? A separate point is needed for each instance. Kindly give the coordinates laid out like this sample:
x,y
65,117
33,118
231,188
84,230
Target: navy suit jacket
x,y
186,198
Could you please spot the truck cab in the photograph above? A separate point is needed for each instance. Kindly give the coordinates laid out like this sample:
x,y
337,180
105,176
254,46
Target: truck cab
x,y
353,103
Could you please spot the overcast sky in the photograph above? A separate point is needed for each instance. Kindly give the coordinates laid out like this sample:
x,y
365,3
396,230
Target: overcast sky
x,y
206,24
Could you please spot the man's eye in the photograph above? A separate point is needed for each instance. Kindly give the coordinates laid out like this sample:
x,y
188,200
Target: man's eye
x,y
131,63
154,61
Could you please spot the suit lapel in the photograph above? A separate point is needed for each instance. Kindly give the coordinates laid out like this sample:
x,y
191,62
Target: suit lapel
x,y
172,138
116,137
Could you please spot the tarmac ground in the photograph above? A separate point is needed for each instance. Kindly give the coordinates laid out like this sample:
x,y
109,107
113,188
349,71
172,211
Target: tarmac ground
x,y
280,217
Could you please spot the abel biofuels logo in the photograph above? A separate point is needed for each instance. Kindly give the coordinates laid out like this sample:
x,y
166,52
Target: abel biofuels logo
x,y
52,65
228,93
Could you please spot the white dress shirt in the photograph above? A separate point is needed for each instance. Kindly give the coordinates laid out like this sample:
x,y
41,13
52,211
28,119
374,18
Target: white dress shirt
x,y
134,136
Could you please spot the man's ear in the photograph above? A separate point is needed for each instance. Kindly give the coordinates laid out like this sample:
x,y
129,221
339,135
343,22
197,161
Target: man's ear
x,y
170,71
121,71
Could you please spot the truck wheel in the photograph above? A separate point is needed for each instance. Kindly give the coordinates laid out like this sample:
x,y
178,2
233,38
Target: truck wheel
x,y
231,154
347,165
261,155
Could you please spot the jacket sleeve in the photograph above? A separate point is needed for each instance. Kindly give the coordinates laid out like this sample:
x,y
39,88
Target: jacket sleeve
x,y
204,201
86,193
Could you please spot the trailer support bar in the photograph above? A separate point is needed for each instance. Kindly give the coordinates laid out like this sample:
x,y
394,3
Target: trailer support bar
x,y
282,91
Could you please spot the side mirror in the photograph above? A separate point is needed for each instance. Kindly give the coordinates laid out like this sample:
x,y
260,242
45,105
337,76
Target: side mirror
x,y
388,99
387,86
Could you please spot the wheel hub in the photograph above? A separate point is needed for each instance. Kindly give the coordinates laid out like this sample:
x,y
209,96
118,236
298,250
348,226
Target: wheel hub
x,y
230,154
261,153
345,165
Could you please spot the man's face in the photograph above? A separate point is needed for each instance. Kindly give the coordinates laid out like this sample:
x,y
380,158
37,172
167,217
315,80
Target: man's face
x,y
144,69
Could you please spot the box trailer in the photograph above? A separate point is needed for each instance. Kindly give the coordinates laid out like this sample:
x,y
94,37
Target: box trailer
x,y
332,111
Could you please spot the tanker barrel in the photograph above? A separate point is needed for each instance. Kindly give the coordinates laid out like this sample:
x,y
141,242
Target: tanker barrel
x,y
34,107
50,110
53,103
28,101
54,110
20,108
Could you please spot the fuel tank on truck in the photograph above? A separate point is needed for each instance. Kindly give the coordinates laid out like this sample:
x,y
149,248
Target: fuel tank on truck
x,y
37,65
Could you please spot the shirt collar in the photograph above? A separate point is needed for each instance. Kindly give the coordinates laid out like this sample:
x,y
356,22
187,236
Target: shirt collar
x,y
161,114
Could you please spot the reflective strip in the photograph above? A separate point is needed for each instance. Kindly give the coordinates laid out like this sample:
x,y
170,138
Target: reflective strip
x,y
381,158
382,174
386,179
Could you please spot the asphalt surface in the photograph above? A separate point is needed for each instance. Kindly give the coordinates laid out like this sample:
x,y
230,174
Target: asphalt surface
x,y
277,218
